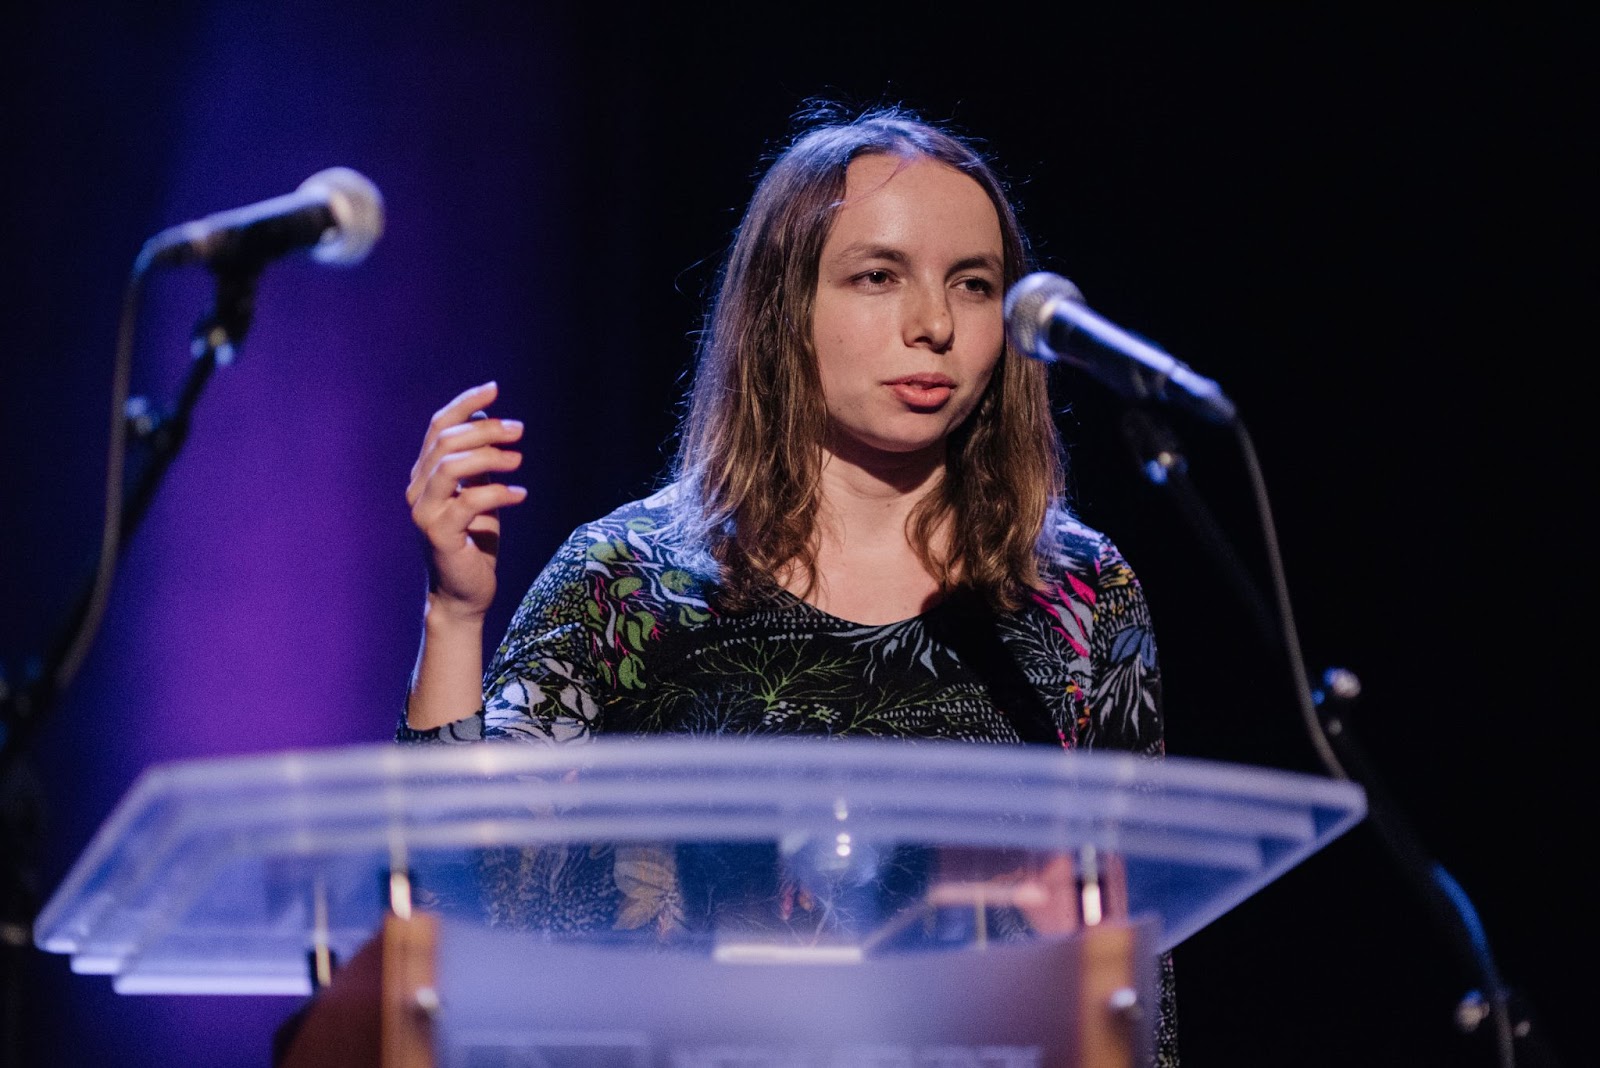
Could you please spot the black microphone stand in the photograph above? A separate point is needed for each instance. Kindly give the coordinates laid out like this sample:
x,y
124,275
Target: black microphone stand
x,y
25,708
216,342
1161,459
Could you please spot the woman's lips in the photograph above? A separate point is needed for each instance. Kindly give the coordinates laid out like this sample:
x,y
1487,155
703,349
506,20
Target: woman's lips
x,y
923,392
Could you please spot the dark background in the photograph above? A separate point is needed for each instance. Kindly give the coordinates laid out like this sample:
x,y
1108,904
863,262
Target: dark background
x,y
1373,230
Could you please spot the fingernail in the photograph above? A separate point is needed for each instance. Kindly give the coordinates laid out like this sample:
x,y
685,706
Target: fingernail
x,y
518,491
512,424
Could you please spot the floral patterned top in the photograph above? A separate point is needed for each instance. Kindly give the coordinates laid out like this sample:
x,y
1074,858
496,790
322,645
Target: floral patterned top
x,y
621,633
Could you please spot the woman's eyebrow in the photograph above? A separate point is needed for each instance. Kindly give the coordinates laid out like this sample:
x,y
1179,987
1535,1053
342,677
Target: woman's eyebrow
x,y
865,251
982,260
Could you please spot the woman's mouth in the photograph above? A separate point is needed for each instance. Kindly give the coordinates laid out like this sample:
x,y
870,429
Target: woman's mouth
x,y
923,392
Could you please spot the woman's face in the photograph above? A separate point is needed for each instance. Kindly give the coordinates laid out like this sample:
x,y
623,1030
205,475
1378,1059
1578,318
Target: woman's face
x,y
908,322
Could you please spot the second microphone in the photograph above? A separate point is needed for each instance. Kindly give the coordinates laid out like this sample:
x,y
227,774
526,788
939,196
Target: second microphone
x,y
1047,319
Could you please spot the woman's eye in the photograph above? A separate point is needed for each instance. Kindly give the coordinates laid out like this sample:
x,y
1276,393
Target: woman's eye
x,y
977,285
876,278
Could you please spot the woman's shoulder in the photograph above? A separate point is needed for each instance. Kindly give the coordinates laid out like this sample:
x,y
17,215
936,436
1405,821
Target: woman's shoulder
x,y
645,526
630,561
640,535
647,514
1072,549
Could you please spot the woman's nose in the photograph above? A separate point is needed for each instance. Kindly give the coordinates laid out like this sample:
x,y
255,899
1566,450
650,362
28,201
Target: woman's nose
x,y
928,319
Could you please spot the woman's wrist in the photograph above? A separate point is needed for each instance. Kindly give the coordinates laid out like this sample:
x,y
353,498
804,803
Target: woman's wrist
x,y
446,614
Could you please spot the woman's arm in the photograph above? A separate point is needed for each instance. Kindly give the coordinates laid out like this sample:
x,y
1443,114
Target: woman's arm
x,y
454,505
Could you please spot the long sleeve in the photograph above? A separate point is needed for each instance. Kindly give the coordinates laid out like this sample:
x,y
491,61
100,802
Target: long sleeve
x,y
539,685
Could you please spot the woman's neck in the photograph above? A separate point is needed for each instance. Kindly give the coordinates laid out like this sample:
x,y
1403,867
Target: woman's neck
x,y
857,501
867,569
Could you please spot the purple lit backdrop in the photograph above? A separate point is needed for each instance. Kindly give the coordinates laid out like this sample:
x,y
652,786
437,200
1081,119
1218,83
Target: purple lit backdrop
x,y
1341,223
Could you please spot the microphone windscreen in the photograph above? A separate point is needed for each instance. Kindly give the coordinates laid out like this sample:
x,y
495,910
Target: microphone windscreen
x,y
357,209
1027,312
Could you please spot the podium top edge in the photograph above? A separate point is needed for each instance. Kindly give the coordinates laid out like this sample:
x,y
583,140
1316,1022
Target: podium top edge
x,y
858,759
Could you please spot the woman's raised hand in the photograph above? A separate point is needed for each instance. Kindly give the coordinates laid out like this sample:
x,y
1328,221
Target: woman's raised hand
x,y
454,501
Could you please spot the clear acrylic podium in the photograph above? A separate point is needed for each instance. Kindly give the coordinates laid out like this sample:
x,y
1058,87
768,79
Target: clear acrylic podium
x,y
688,902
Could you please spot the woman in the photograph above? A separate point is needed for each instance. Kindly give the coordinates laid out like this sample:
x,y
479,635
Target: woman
x,y
865,532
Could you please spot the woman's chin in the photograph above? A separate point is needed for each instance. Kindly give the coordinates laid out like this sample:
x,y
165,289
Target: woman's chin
x,y
889,451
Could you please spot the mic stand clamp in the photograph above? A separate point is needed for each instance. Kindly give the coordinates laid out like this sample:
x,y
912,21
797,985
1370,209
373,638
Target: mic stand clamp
x,y
215,342
1160,458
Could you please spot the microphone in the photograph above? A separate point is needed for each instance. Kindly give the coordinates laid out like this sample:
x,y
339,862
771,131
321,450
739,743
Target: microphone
x,y
336,213
1047,319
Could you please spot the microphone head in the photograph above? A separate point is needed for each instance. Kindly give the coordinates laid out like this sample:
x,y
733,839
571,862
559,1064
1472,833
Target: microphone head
x,y
357,209
1027,310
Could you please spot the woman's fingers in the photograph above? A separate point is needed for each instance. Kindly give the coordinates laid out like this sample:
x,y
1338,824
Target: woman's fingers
x,y
464,465
459,411
463,547
483,529
458,471
467,513
464,452
455,503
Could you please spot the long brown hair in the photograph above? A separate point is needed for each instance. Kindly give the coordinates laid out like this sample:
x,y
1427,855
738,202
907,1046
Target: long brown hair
x,y
750,446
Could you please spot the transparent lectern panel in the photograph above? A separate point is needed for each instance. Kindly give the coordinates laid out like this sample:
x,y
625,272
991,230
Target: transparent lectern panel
x,y
220,875
1030,1004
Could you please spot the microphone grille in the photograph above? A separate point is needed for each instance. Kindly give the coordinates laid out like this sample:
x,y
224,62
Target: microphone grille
x,y
357,209
1027,312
